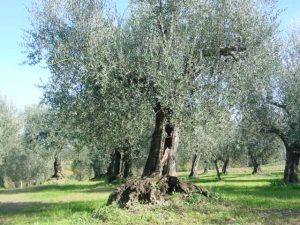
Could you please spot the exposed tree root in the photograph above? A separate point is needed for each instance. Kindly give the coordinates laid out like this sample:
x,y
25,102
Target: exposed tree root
x,y
152,190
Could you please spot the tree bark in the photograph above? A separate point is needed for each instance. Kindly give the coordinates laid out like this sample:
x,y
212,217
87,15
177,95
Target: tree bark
x,y
205,167
225,166
256,167
155,154
57,168
291,166
297,163
164,144
98,172
194,169
171,146
127,167
217,169
1,181
114,168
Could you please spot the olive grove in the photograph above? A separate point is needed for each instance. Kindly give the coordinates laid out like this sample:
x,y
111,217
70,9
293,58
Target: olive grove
x,y
168,83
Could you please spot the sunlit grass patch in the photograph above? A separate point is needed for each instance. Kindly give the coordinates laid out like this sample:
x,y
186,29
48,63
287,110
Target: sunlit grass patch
x,y
240,198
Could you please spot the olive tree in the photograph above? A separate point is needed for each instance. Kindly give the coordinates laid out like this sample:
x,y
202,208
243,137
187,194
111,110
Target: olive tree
x,y
9,138
284,104
155,65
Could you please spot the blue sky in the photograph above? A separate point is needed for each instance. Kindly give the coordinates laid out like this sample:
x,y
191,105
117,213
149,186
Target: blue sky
x,y
18,82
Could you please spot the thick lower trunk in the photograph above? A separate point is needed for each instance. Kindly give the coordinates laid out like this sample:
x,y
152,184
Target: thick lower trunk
x,y
165,138
256,168
225,166
155,154
291,166
194,169
114,168
152,190
57,168
217,169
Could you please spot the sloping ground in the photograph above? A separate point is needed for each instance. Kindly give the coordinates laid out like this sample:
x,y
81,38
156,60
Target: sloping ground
x,y
240,198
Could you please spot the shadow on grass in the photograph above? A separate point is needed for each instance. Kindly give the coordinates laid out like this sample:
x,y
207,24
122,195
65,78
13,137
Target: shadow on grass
x,y
261,191
51,187
99,190
34,208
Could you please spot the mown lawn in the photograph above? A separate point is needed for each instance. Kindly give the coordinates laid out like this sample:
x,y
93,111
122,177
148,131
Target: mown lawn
x,y
240,198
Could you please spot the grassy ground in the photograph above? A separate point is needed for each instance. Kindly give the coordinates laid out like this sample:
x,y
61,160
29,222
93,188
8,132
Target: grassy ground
x,y
240,198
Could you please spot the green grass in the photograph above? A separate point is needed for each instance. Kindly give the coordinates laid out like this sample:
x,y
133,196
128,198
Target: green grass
x,y
240,198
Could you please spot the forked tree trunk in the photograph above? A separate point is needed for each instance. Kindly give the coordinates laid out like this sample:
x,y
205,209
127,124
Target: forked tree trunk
x,y
57,168
194,169
291,164
114,168
225,166
217,169
162,155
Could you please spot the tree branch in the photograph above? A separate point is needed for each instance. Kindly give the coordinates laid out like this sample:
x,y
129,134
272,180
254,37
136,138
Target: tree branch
x,y
282,106
224,51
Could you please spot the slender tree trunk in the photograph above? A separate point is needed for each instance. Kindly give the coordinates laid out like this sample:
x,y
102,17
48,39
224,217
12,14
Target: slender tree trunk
x,y
205,167
162,155
291,164
217,169
297,162
1,181
256,167
57,168
127,167
225,166
114,168
194,169
98,172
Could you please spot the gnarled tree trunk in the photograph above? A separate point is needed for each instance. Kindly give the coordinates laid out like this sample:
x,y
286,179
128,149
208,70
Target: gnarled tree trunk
x,y
291,166
159,180
57,168
162,155
170,150
194,169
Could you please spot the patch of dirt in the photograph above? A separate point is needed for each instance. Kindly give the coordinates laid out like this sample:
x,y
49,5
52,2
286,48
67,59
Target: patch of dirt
x,y
286,212
15,206
280,216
